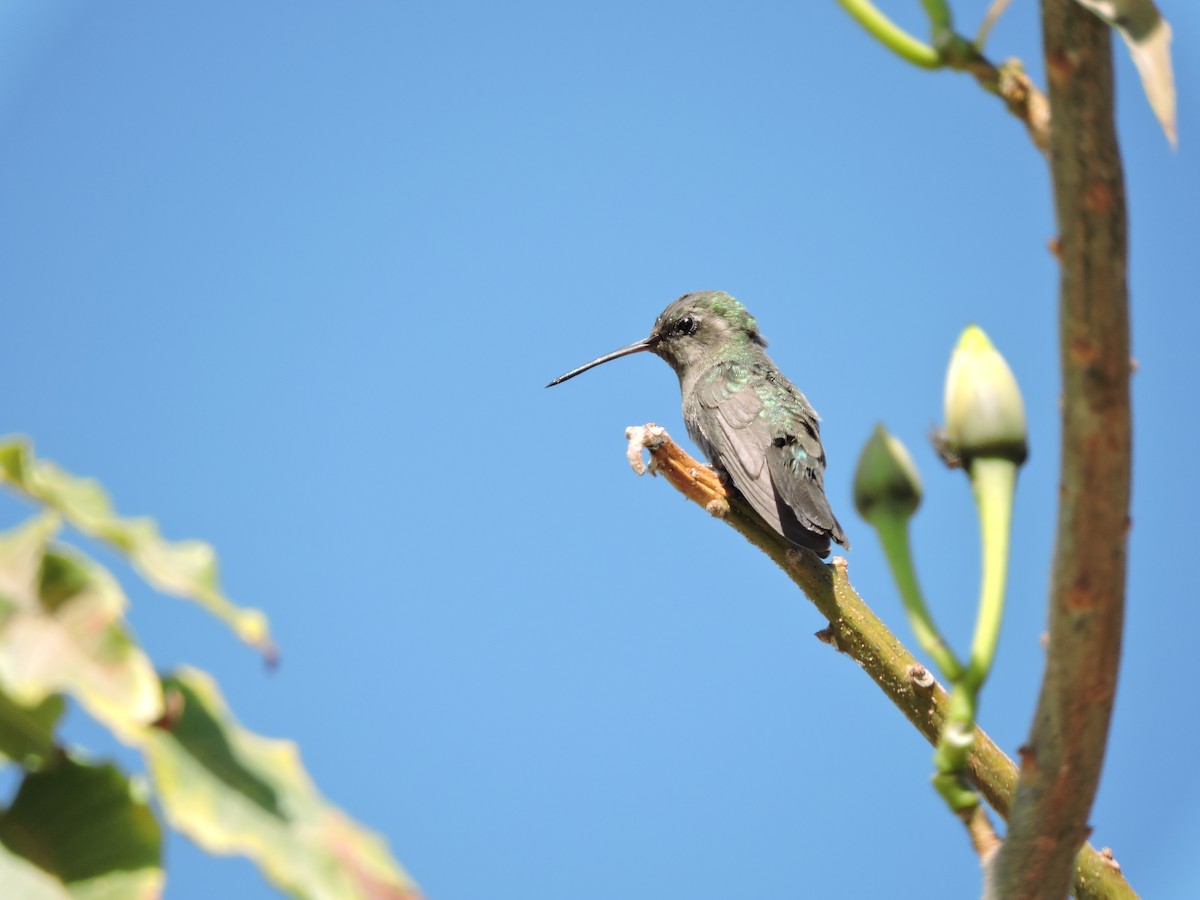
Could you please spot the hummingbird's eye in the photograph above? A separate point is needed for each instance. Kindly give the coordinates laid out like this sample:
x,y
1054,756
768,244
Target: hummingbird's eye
x,y
686,325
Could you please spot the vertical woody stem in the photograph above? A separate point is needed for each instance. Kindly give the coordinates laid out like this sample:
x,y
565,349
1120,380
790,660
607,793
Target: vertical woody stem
x,y
1061,762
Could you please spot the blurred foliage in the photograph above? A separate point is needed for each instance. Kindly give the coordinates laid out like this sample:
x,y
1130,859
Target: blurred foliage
x,y
84,829
185,569
1148,37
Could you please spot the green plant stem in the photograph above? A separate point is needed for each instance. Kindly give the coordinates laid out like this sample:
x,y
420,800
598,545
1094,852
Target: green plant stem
x,y
994,481
893,535
953,49
940,20
892,35
955,742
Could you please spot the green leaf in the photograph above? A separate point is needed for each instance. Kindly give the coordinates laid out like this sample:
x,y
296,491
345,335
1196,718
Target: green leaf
x,y
1148,37
27,731
88,827
233,791
62,630
185,569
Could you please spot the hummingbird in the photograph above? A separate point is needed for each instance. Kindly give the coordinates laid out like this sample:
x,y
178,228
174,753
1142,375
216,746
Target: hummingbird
x,y
756,427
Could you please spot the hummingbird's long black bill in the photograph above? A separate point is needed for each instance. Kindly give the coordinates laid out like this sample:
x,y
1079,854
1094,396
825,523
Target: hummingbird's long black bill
x,y
640,346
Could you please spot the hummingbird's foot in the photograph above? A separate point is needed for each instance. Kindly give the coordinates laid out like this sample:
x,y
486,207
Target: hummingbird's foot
x,y
692,478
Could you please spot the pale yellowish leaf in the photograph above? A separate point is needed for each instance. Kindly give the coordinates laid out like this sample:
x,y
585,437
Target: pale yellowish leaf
x,y
233,791
1148,37
185,569
62,631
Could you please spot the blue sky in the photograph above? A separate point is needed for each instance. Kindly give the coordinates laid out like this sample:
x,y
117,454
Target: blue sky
x,y
291,277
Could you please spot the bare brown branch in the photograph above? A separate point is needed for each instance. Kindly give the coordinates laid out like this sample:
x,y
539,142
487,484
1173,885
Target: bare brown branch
x,y
1061,765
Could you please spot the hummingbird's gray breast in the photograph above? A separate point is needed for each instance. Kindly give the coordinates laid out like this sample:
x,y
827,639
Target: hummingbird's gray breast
x,y
760,429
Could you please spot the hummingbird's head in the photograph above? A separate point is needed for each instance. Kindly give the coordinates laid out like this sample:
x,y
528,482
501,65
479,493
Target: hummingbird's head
x,y
701,328
696,330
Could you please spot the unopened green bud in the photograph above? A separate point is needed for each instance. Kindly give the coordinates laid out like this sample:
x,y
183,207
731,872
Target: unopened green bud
x,y
886,480
985,415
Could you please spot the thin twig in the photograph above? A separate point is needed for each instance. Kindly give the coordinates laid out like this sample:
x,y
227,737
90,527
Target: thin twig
x,y
1007,81
995,11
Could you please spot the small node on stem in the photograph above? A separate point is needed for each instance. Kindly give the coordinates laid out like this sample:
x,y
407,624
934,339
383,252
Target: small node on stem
x,y
921,678
718,507
1028,757
828,635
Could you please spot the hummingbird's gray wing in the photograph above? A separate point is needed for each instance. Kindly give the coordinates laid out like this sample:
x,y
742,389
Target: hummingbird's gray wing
x,y
760,429
796,461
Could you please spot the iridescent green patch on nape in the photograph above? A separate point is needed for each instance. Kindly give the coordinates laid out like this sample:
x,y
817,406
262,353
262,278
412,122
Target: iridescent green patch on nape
x,y
733,312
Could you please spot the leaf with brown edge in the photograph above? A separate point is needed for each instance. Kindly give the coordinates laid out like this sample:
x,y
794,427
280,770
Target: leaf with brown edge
x,y
186,569
233,791
62,630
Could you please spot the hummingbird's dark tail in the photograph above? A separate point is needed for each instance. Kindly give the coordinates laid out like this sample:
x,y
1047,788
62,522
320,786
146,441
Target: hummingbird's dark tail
x,y
817,533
